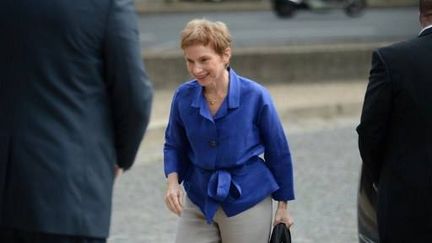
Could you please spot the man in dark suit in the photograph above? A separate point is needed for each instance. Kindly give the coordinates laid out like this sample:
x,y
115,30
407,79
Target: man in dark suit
x,y
395,135
74,105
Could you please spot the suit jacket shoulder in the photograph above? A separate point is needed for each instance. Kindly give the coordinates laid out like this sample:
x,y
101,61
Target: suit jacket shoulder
x,y
413,50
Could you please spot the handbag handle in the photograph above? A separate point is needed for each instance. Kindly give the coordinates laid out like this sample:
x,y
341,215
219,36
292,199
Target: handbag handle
x,y
280,234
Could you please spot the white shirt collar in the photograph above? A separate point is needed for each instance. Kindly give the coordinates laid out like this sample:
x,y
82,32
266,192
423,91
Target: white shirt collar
x,y
425,28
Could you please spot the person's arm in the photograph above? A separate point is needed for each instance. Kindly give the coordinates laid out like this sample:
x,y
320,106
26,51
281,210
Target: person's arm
x,y
283,215
130,91
277,154
175,158
117,171
375,116
278,158
174,194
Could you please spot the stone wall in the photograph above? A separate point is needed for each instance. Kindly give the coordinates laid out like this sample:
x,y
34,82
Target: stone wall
x,y
288,64
371,2
392,2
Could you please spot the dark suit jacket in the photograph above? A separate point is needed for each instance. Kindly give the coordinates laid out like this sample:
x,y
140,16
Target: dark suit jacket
x,y
395,133
74,101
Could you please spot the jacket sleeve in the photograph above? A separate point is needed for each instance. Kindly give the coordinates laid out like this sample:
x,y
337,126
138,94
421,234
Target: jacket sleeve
x,y
376,112
176,143
129,88
277,153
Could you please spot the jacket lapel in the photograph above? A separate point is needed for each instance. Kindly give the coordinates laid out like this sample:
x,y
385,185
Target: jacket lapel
x,y
200,103
425,32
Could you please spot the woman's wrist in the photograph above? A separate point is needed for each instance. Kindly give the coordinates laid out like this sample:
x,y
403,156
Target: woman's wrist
x,y
282,205
172,179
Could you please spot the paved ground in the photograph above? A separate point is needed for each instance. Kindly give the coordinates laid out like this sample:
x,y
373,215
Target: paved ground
x,y
319,120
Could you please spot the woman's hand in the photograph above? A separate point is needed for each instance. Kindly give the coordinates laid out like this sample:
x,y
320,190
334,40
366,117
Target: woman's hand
x,y
174,194
117,171
282,215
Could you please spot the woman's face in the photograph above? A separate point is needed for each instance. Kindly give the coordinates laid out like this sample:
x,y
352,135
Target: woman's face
x,y
205,65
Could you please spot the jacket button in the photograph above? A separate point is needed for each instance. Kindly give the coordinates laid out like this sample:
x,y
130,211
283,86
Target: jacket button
x,y
212,143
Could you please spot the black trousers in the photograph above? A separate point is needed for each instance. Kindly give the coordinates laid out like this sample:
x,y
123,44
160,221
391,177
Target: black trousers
x,y
19,236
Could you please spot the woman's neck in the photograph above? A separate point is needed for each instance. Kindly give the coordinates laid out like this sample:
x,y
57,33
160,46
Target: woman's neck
x,y
218,88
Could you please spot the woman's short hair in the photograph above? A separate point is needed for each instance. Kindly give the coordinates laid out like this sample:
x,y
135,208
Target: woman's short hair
x,y
206,33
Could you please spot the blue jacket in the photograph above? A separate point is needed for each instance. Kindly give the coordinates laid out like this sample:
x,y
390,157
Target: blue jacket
x,y
218,157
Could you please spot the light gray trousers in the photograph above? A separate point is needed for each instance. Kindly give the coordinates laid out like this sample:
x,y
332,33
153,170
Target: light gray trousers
x,y
250,226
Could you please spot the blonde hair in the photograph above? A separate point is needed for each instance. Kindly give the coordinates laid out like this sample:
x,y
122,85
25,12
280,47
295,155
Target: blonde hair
x,y
207,33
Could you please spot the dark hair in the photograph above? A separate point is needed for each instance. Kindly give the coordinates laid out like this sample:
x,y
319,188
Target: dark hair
x,y
425,7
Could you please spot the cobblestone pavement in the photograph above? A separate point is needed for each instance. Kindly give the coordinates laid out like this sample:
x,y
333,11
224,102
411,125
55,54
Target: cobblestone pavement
x,y
326,165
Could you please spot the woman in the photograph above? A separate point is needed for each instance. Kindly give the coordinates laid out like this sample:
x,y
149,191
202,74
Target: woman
x,y
220,123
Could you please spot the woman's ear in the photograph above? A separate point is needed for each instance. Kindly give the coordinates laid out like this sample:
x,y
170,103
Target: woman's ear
x,y
227,55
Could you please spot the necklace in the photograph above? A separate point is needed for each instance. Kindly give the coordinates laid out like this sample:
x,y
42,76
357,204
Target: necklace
x,y
214,100
211,101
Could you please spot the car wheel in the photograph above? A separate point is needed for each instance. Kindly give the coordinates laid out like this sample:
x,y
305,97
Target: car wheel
x,y
355,8
284,10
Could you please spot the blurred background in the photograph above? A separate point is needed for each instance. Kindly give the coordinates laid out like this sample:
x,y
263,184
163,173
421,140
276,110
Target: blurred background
x,y
315,61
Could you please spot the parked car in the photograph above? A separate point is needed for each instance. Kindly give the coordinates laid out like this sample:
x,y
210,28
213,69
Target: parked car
x,y
366,209
287,8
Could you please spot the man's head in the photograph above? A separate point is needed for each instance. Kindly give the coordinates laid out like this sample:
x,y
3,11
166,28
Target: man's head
x,y
425,8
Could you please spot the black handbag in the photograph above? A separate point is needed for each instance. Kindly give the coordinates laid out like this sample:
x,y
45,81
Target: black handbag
x,y
280,234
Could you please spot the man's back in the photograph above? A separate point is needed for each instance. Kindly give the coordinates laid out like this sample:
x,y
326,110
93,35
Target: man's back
x,y
410,122
75,101
395,139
